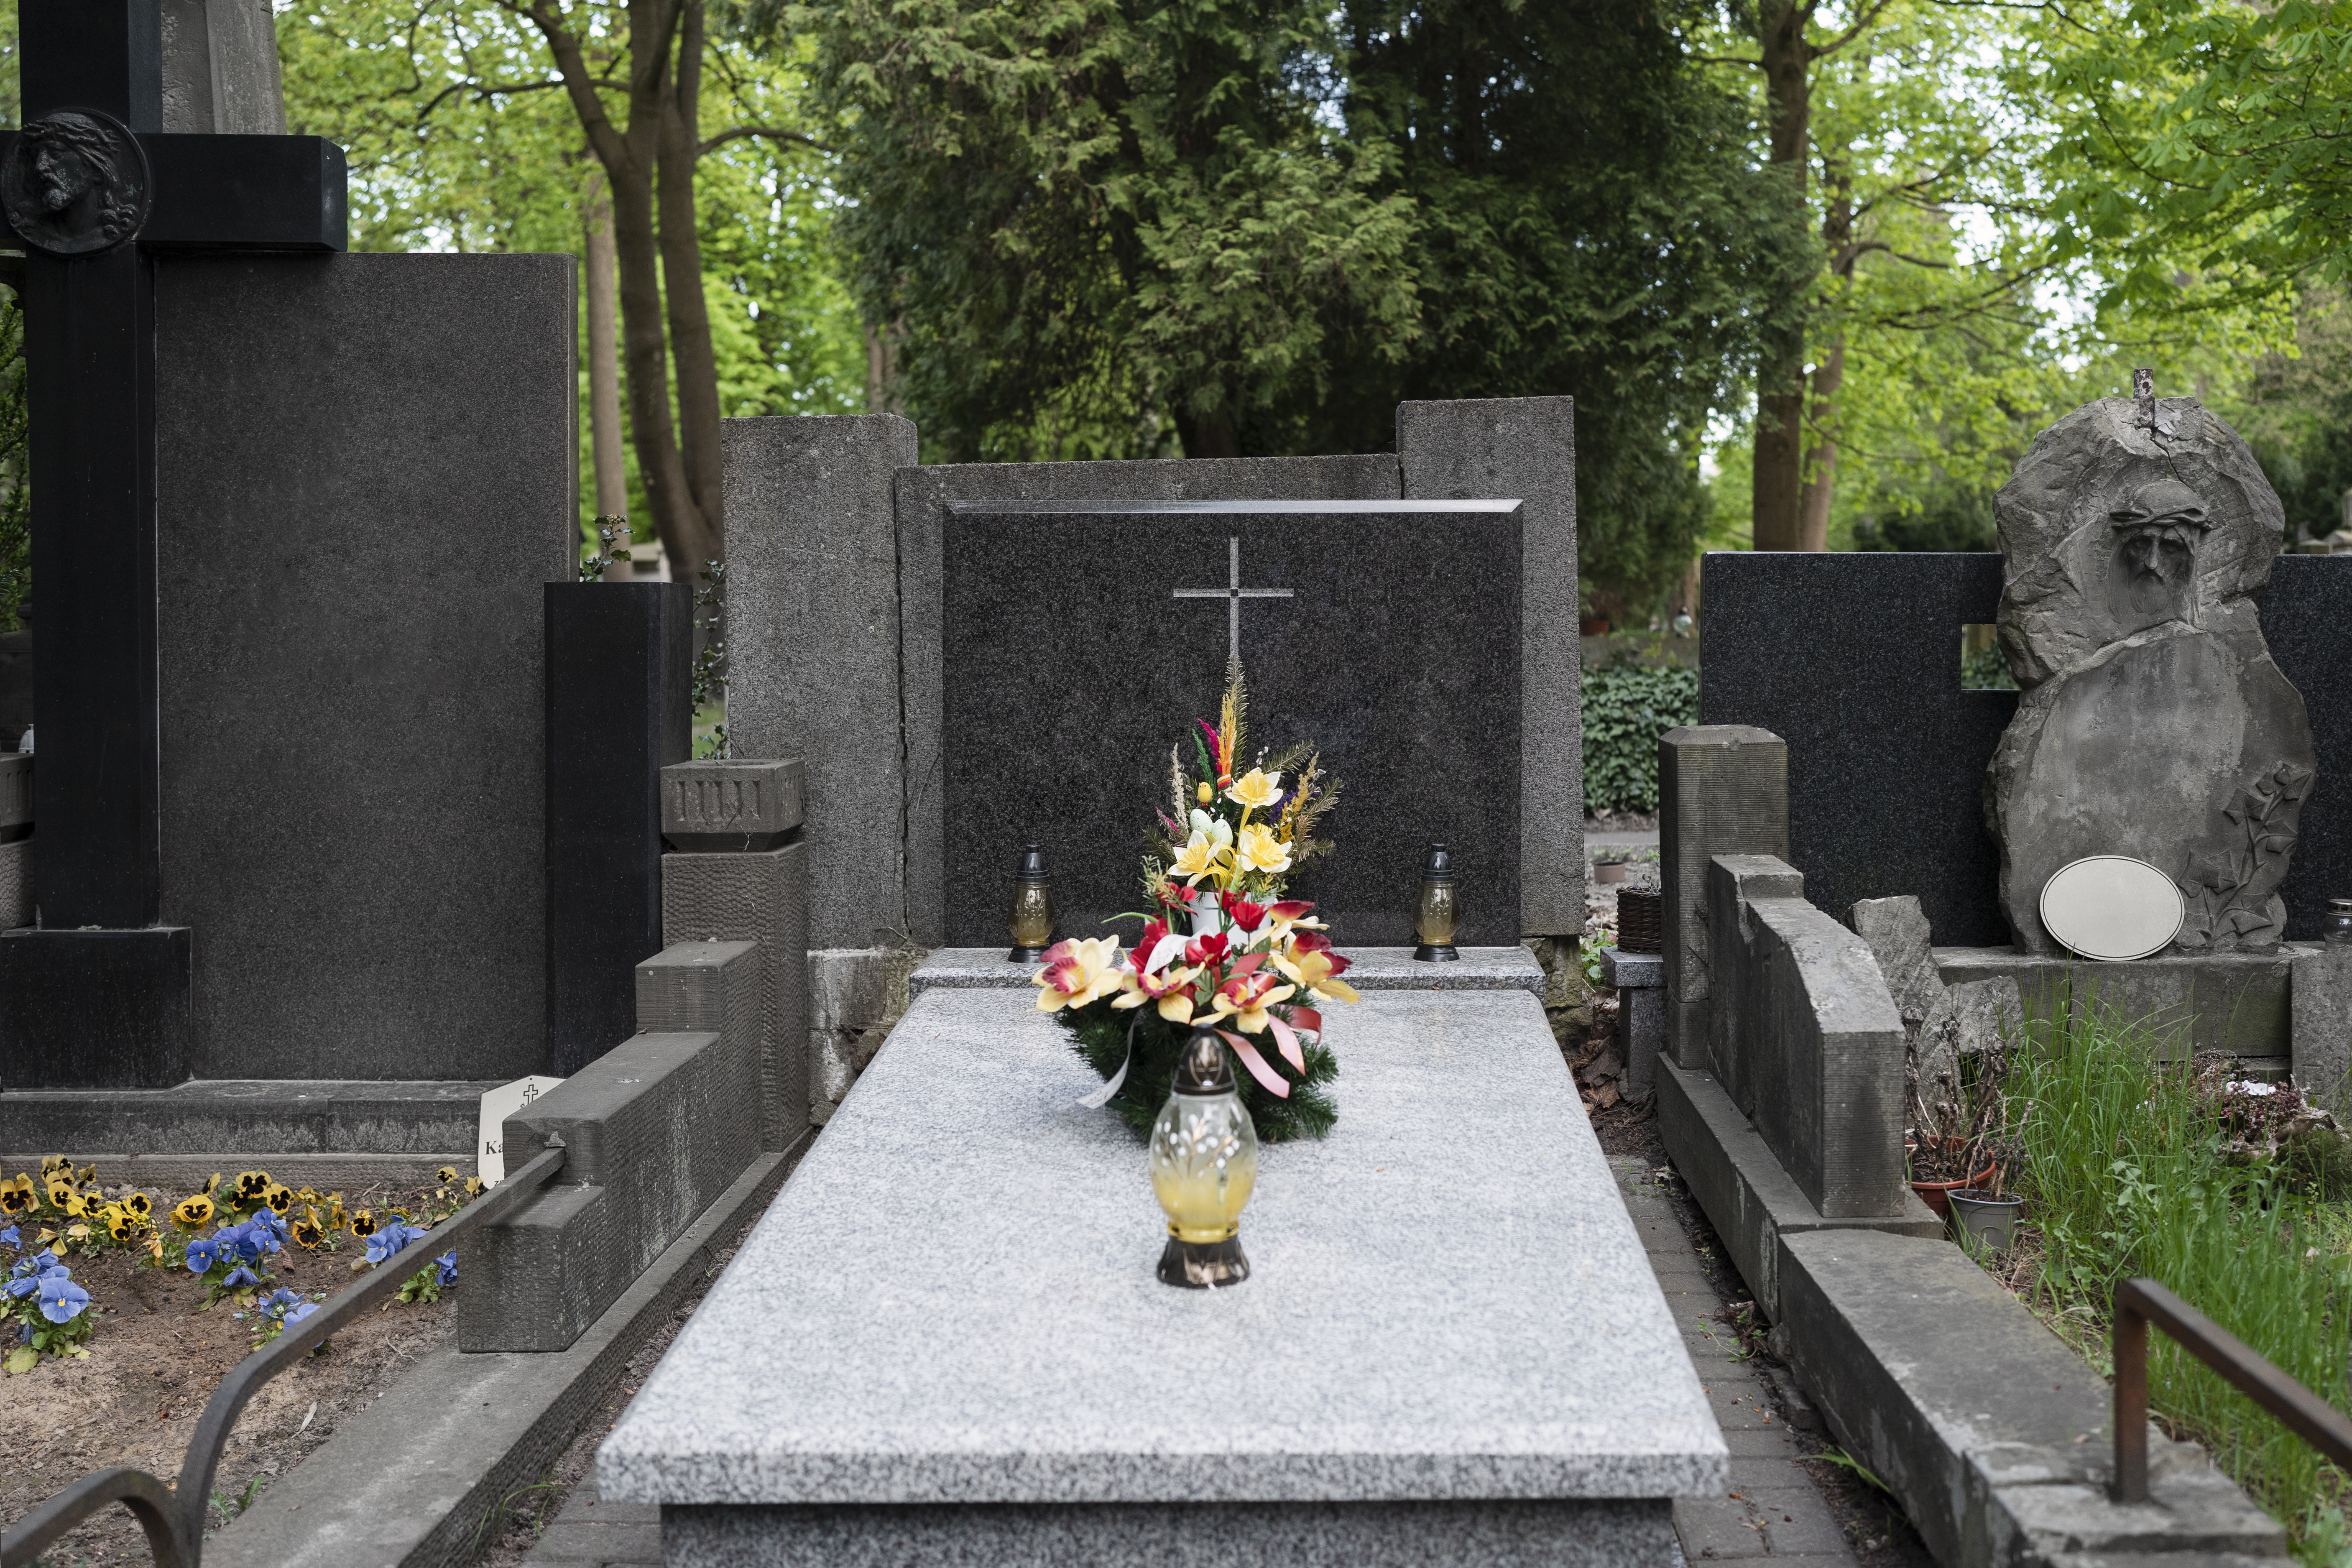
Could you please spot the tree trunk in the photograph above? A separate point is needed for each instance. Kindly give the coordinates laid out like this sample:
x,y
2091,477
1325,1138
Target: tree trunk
x,y
689,313
1210,436
1780,470
1820,459
605,363
629,157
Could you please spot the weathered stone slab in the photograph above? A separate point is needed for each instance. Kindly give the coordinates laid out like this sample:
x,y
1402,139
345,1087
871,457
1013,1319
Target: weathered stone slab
x,y
2322,1008
1805,1038
2234,1002
1641,982
1941,1024
1723,789
945,1305
2139,536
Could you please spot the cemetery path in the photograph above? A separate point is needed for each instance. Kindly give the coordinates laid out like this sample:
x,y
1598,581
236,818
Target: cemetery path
x,y
1788,1503
154,1361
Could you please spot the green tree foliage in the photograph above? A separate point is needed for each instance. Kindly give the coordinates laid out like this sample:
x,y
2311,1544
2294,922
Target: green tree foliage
x,y
1121,227
459,137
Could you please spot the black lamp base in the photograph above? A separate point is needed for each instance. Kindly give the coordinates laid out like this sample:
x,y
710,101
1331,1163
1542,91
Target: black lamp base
x,y
1027,955
1428,954
1203,1265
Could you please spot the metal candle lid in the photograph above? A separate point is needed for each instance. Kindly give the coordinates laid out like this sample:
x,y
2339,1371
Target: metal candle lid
x,y
1033,865
1204,1068
1439,868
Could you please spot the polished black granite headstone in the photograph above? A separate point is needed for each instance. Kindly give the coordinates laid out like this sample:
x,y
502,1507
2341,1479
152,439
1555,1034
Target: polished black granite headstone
x,y
1853,659
1071,664
619,710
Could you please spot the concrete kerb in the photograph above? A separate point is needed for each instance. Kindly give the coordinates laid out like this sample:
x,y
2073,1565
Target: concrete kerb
x,y
416,1479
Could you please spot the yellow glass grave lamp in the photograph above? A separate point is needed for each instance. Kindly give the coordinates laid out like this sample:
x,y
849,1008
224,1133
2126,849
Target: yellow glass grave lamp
x,y
1203,1169
1438,913
1032,908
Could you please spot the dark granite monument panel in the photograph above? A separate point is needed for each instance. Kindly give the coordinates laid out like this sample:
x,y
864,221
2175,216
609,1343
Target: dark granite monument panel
x,y
1070,666
368,473
1853,659
88,1009
2307,621
619,710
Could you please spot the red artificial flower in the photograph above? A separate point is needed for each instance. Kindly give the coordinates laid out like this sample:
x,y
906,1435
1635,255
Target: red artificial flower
x,y
1205,949
1291,910
1243,914
1152,931
1309,942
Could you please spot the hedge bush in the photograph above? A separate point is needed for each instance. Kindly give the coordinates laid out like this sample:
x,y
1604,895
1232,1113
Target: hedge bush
x,y
1626,709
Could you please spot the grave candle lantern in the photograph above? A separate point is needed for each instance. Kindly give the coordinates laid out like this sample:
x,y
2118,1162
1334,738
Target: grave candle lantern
x,y
1204,1168
1032,908
1438,914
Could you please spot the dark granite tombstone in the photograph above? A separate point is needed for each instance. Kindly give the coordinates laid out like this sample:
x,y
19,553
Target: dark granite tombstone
x,y
1081,638
1854,660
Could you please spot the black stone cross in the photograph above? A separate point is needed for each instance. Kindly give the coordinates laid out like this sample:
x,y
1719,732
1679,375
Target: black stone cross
x,y
92,189
1233,595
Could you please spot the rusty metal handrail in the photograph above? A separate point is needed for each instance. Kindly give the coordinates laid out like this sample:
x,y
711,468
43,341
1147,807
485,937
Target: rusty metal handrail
x,y
2138,1303
174,1518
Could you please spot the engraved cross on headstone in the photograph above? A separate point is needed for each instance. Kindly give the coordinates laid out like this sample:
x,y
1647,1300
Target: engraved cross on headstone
x,y
92,188
1233,595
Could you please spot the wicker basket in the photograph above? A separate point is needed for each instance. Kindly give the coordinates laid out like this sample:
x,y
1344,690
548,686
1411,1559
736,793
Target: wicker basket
x,y
1641,921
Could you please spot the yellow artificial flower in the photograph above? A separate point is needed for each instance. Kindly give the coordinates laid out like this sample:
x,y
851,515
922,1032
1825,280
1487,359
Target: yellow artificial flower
x,y
193,1211
1245,1000
1198,858
1313,972
1172,992
1077,971
1256,789
1260,851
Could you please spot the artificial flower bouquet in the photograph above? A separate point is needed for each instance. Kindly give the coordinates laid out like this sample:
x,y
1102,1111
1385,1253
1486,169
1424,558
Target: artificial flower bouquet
x,y
1221,948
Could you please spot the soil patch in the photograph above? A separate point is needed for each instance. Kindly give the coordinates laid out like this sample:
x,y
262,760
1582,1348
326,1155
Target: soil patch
x,y
154,1361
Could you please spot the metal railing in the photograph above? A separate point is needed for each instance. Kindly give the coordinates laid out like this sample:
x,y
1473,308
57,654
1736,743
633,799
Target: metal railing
x,y
173,1517
2138,1303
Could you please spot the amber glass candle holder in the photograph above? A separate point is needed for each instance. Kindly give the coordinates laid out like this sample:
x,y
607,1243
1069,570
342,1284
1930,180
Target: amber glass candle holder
x,y
1203,1169
1437,915
1032,908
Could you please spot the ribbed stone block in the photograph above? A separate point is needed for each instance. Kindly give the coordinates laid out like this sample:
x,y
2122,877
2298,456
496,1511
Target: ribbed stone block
x,y
731,805
761,897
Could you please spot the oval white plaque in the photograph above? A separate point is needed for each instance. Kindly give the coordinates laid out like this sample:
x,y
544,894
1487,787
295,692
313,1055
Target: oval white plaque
x,y
2112,907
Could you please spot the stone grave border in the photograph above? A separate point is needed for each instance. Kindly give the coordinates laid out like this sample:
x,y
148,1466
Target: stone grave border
x,y
1996,1436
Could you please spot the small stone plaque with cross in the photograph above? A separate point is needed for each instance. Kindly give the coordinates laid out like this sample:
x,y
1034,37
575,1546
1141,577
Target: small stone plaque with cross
x,y
1076,648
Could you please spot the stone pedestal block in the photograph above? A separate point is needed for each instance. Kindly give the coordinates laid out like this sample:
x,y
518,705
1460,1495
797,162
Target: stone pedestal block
x,y
618,712
723,804
2322,1003
89,1009
15,791
1723,789
1641,982
15,884
703,987
759,897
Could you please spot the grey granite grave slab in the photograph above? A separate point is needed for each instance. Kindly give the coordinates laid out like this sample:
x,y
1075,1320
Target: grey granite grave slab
x,y
1370,969
923,496
1396,650
953,1302
1525,446
367,468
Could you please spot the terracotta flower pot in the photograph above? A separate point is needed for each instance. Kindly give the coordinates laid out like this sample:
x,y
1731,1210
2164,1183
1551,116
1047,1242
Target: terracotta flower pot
x,y
1936,1194
1592,627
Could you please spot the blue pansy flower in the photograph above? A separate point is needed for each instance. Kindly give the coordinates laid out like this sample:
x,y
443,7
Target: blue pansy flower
x,y
447,1264
393,1239
202,1255
240,1275
9,1237
62,1300
277,1300
25,1285
296,1314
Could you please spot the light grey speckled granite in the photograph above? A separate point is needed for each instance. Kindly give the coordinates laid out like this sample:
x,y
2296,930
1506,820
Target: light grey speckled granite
x,y
1372,969
1175,1535
954,1302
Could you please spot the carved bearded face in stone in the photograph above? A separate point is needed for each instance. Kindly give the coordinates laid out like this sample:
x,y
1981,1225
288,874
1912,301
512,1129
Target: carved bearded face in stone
x,y
2153,576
